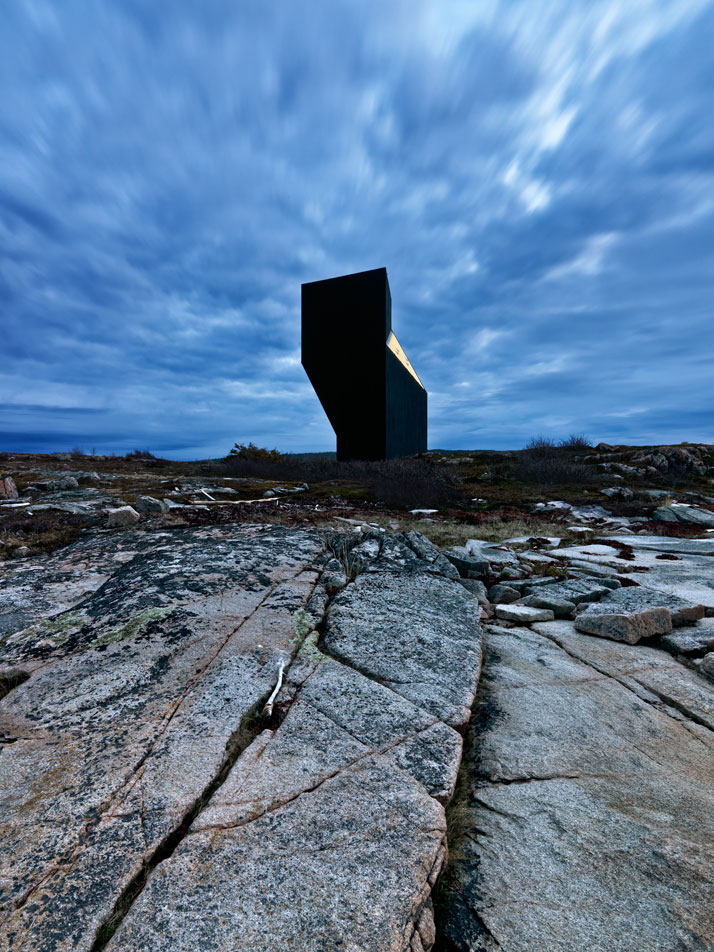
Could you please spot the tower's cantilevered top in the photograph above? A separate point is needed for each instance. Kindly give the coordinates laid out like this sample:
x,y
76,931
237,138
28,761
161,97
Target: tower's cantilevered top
x,y
369,390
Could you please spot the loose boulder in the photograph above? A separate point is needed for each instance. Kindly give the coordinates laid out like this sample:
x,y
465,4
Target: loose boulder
x,y
630,614
148,505
123,518
8,489
523,614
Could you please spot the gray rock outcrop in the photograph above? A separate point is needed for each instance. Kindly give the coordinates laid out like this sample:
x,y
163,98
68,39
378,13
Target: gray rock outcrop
x,y
135,754
586,817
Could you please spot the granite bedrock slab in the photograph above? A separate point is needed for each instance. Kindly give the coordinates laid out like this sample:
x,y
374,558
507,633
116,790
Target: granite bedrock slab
x,y
145,802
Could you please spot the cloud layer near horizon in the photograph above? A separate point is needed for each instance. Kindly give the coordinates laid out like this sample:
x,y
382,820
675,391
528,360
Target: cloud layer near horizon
x,y
537,178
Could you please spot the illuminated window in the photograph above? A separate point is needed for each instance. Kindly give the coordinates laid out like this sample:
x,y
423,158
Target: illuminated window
x,y
396,348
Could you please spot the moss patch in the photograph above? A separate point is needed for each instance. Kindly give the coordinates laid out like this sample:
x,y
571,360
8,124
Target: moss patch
x,y
132,628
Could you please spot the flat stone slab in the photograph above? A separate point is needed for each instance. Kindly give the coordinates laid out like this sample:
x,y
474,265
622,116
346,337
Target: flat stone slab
x,y
681,512
630,614
690,576
576,590
134,698
524,614
588,818
424,617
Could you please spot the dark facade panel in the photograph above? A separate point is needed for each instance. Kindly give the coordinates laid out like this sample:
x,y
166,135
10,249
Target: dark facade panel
x,y
370,393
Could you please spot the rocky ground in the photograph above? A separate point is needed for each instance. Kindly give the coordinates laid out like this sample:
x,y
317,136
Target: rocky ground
x,y
322,730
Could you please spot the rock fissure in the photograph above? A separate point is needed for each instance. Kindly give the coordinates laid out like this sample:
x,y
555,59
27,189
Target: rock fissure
x,y
196,679
664,698
243,736
109,808
308,790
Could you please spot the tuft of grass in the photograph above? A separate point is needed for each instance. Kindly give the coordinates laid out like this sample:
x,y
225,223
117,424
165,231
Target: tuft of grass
x,y
494,528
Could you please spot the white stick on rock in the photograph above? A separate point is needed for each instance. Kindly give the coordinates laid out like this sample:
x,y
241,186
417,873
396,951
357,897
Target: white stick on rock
x,y
268,709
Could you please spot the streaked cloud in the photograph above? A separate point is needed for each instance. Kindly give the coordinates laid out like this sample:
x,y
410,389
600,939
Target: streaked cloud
x,y
537,178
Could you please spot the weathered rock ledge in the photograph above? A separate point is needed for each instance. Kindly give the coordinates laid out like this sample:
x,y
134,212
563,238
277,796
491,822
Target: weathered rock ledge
x,y
249,738
147,804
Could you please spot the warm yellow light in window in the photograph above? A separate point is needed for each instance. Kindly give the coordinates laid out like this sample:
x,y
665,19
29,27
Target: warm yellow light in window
x,y
396,348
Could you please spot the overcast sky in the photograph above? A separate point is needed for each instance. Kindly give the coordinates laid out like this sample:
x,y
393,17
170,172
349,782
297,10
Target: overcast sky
x,y
536,175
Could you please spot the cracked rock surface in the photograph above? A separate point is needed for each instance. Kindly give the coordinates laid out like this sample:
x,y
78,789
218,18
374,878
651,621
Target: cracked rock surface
x,y
145,802
585,814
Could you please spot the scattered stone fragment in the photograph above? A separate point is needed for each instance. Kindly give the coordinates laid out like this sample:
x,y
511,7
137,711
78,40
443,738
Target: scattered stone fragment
x,y
170,504
707,665
122,518
421,546
538,557
466,564
618,492
511,572
56,485
523,614
8,489
690,642
333,575
631,614
682,611
148,505
560,607
284,491
575,590
442,566
491,552
546,542
501,594
476,588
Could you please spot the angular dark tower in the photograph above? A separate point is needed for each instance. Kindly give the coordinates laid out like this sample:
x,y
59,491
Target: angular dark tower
x,y
367,387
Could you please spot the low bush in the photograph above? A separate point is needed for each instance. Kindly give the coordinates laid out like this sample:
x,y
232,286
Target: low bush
x,y
576,441
139,454
542,463
409,482
249,451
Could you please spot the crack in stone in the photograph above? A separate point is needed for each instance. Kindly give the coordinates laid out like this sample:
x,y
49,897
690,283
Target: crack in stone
x,y
374,752
237,744
444,944
120,795
664,698
509,781
385,683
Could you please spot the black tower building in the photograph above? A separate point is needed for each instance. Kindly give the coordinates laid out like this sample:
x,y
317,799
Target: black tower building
x,y
367,387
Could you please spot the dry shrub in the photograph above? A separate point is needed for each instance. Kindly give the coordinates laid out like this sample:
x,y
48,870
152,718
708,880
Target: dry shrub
x,y
576,441
47,530
409,482
542,463
139,454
